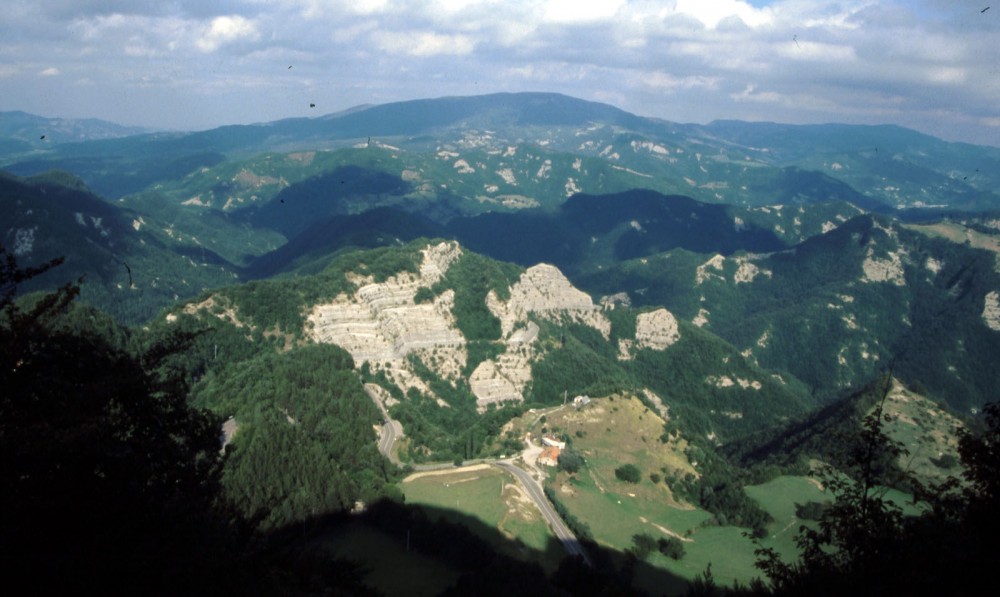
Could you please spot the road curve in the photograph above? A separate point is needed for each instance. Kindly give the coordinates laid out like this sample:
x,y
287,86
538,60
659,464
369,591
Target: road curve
x,y
391,429
562,532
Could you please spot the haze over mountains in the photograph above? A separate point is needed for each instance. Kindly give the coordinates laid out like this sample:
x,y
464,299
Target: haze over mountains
x,y
472,257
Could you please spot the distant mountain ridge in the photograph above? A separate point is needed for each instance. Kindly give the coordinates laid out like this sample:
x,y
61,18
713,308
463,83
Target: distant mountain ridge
x,y
724,161
21,131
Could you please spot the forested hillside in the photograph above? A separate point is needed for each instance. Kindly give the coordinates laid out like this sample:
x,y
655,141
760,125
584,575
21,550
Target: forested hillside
x,y
224,352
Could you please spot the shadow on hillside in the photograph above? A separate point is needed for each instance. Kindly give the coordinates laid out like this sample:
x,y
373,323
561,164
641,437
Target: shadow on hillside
x,y
414,550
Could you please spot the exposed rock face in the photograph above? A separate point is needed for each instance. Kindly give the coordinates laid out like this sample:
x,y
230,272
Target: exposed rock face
x,y
381,323
703,274
377,324
225,312
884,270
505,378
747,270
661,408
544,290
657,330
490,385
613,300
991,311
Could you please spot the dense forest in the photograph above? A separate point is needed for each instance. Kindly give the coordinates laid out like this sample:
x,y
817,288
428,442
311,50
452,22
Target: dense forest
x,y
113,466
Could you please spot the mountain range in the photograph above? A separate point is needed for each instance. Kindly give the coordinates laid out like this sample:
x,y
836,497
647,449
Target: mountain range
x,y
471,258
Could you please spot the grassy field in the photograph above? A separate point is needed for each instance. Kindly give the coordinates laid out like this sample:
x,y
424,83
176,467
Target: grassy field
x,y
492,497
958,233
611,432
614,432
391,569
928,432
779,497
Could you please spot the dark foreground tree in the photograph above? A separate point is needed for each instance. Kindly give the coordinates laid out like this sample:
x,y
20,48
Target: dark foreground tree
x,y
862,543
107,479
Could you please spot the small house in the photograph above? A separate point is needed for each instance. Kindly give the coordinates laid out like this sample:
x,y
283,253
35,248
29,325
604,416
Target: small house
x,y
552,442
549,456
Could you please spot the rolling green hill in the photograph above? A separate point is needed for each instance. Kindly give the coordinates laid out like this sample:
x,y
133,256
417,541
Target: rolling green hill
x,y
840,306
725,162
131,266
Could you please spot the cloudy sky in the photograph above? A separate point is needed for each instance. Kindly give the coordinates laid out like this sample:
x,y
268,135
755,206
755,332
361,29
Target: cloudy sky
x,y
932,65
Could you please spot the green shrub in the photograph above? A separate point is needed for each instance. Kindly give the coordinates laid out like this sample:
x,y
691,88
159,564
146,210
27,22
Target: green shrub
x,y
628,473
570,461
672,547
423,295
642,546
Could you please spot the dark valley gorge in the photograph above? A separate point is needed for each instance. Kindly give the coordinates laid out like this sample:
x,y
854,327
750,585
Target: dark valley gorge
x,y
515,343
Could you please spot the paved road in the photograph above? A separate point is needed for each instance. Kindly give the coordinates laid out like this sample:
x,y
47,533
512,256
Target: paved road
x,y
562,532
391,430
388,437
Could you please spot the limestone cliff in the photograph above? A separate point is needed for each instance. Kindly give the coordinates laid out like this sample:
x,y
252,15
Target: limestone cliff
x,y
381,323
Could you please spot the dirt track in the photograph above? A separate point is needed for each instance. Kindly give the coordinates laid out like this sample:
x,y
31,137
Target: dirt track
x,y
447,471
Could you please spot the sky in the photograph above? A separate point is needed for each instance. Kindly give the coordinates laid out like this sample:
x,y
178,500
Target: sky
x,y
931,65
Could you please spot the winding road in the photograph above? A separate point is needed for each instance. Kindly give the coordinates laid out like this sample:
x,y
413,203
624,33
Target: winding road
x,y
562,532
391,430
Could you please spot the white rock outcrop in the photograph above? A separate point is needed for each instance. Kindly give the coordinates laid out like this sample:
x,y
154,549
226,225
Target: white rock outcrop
x,y
490,385
656,329
380,322
991,311
884,270
747,271
703,274
543,290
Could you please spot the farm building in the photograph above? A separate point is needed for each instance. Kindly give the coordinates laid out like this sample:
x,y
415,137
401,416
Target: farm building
x,y
552,442
549,456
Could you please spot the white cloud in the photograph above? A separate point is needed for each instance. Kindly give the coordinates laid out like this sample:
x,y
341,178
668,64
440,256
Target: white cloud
x,y
347,35
50,72
712,12
575,11
750,94
946,75
367,7
815,51
688,60
226,29
667,82
423,43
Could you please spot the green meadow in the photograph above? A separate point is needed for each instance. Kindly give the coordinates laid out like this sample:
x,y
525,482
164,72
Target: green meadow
x,y
510,521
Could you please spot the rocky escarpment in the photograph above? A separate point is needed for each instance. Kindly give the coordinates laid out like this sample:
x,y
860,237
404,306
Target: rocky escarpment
x,y
380,323
656,330
991,310
542,291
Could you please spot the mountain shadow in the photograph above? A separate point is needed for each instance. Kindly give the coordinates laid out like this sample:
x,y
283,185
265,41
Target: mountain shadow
x,y
593,231
349,189
319,243
421,550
